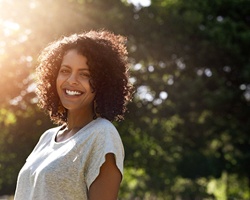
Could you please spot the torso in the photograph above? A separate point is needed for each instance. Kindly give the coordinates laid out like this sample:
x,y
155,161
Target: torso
x,y
64,169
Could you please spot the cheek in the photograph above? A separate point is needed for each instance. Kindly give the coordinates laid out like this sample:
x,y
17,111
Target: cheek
x,y
58,83
91,82
86,84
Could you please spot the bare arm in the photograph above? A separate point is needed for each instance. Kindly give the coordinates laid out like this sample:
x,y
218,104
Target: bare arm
x,y
106,185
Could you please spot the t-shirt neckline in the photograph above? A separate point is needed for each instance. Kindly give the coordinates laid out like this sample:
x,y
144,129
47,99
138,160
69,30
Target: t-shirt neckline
x,y
73,136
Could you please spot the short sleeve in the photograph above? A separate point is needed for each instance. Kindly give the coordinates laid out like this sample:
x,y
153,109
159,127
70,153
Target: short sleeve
x,y
107,141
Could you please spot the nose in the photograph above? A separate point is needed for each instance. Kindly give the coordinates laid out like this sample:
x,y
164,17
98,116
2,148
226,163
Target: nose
x,y
72,79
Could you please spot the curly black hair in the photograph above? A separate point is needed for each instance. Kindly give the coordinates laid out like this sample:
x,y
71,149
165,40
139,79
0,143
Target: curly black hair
x,y
108,64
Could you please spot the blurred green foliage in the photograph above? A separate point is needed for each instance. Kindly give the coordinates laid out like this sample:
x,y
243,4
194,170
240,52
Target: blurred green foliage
x,y
187,133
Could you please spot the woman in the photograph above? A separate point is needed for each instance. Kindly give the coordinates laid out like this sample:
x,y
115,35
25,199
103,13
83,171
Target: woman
x,y
83,85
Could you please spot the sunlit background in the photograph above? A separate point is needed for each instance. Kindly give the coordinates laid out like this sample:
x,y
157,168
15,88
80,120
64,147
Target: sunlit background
x,y
186,134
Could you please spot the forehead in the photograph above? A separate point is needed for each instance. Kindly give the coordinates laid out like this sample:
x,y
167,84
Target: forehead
x,y
74,60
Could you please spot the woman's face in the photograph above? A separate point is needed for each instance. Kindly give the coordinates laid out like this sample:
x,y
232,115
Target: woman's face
x,y
72,83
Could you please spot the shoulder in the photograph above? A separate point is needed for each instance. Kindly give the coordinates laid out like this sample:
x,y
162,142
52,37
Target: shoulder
x,y
48,134
104,128
104,124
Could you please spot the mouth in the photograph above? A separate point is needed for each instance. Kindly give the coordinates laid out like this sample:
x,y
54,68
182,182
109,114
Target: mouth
x,y
73,92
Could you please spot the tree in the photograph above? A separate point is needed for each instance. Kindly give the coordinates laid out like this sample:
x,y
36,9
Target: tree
x,y
205,73
188,124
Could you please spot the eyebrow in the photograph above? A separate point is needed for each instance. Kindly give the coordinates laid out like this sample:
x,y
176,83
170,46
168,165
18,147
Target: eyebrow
x,y
68,66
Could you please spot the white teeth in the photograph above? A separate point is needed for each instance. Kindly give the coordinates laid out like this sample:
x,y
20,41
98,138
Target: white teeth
x,y
72,93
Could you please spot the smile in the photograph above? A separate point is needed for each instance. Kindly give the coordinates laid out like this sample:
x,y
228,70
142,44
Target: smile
x,y
73,93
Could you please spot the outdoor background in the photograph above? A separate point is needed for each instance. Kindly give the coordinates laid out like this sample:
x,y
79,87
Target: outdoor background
x,y
186,136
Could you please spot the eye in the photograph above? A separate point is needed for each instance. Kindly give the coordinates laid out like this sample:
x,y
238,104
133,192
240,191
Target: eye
x,y
84,74
64,71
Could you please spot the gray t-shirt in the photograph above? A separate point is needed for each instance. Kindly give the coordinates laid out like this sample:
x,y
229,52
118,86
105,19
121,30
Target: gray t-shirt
x,y
65,170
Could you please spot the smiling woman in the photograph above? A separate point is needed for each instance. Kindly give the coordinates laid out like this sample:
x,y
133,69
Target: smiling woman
x,y
83,85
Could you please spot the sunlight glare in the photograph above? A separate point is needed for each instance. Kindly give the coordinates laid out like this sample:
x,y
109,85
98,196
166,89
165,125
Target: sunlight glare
x,y
163,95
144,93
2,45
10,27
33,4
143,3
137,66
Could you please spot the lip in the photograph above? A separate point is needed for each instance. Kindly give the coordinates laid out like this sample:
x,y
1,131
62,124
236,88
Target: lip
x,y
74,92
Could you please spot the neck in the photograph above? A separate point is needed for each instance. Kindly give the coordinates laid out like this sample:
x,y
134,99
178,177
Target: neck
x,y
78,120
